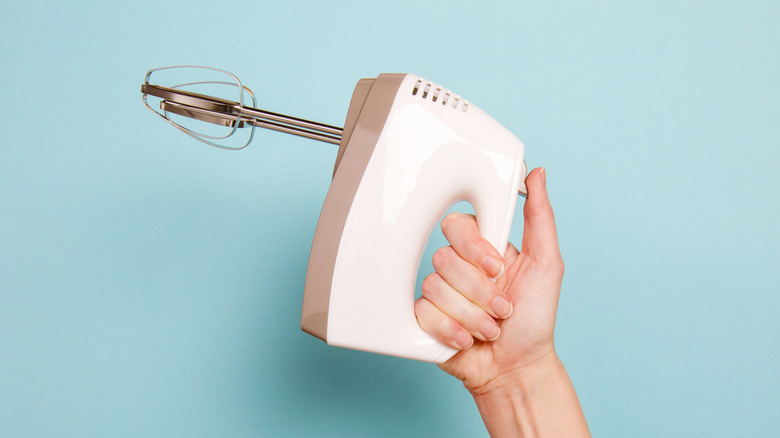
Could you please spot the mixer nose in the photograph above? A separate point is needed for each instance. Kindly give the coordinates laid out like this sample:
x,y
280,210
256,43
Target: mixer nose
x,y
523,190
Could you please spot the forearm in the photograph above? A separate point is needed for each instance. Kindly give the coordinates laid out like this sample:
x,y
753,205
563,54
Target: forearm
x,y
536,402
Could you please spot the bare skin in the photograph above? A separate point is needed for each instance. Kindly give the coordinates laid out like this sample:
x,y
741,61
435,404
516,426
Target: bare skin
x,y
508,359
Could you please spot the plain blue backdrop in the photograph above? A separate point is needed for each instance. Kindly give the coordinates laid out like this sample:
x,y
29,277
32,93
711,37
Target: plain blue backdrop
x,y
151,285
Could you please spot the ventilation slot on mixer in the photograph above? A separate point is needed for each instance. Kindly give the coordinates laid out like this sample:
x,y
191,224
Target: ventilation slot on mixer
x,y
436,94
447,98
416,87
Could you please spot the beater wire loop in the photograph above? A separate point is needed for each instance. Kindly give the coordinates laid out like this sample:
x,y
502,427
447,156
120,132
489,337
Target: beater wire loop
x,y
213,111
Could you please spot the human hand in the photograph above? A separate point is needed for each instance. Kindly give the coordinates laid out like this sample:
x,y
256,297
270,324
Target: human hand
x,y
463,307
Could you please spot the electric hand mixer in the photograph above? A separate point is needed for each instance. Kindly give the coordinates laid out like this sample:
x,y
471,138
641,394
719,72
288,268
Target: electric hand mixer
x,y
409,150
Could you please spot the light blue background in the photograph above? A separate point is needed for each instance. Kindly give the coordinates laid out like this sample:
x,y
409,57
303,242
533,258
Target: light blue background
x,y
151,285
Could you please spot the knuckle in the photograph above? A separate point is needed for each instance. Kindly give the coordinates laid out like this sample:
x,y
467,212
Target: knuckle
x,y
473,247
425,313
467,315
477,248
420,307
483,321
430,285
478,322
446,326
484,290
437,324
449,328
442,257
454,220
449,222
451,219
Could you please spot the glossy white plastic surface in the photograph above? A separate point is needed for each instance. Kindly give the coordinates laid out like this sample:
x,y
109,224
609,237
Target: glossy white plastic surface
x,y
429,156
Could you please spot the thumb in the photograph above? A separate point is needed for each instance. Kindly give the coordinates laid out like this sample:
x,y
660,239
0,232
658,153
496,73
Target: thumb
x,y
540,237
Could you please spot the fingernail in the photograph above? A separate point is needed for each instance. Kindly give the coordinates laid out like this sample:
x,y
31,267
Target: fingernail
x,y
490,331
501,307
544,176
463,340
493,266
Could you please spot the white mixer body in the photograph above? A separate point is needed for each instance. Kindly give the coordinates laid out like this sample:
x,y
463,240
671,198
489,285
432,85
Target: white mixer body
x,y
411,149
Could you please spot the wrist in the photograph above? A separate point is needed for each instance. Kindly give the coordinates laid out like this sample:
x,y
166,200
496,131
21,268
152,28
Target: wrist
x,y
521,369
536,399
523,378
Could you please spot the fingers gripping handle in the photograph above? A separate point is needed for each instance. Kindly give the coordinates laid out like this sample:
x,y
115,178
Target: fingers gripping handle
x,y
494,200
372,307
494,214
